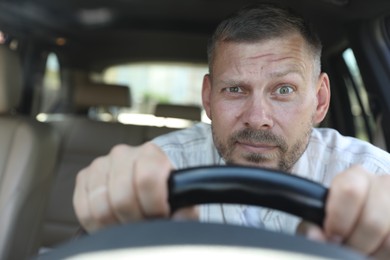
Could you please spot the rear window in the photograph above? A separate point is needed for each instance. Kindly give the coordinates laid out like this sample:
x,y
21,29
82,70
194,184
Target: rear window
x,y
155,83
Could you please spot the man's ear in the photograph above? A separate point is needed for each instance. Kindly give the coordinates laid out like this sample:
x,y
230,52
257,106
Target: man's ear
x,y
206,94
323,97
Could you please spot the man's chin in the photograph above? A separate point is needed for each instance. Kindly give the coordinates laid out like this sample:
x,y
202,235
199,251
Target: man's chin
x,y
249,163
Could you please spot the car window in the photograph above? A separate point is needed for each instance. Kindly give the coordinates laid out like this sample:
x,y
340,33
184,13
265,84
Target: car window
x,y
360,107
153,83
51,84
351,106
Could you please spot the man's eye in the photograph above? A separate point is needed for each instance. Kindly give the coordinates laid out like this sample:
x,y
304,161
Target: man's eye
x,y
284,90
234,89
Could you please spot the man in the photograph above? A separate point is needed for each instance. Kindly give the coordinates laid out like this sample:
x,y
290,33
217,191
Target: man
x,y
264,93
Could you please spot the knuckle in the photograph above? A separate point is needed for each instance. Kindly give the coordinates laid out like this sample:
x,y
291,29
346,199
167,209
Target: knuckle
x,y
150,150
151,194
100,207
386,245
350,191
383,251
353,188
160,163
335,228
103,215
121,202
374,224
149,146
103,218
125,206
97,163
85,219
144,180
119,150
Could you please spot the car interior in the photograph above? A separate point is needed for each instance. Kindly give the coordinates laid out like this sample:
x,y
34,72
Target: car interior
x,y
28,154
78,77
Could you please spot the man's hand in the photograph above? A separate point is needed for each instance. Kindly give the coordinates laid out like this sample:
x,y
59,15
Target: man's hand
x,y
128,184
357,213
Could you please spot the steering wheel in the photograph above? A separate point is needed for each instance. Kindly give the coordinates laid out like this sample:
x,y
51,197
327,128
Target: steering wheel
x,y
217,184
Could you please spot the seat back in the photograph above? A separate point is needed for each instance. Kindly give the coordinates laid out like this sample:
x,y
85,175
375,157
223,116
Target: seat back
x,y
83,139
188,112
28,152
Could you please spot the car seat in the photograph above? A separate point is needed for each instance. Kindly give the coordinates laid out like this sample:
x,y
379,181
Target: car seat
x,y
28,153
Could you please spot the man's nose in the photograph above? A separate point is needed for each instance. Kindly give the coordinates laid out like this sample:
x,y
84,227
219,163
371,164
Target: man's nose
x,y
257,114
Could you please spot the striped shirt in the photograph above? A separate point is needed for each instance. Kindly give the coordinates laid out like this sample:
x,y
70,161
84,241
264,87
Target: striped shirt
x,y
327,154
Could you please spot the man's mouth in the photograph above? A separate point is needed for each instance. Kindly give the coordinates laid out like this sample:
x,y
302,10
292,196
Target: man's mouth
x,y
256,147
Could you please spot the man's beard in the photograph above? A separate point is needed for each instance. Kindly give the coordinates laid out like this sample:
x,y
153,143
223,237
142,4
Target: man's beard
x,y
285,157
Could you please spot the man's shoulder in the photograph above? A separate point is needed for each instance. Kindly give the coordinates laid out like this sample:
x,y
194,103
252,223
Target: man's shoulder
x,y
334,140
338,148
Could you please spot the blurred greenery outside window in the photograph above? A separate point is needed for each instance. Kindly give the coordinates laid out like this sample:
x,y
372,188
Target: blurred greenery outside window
x,y
51,84
152,83
363,118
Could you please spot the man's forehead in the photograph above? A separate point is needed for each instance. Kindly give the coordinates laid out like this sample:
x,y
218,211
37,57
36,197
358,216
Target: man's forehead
x,y
270,48
283,59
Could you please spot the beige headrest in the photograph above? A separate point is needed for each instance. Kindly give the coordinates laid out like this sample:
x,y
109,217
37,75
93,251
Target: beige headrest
x,y
10,79
96,94
178,111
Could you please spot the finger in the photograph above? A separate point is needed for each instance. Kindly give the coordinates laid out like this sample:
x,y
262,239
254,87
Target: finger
x,y
80,202
345,201
122,195
151,174
373,225
97,188
383,253
190,213
311,231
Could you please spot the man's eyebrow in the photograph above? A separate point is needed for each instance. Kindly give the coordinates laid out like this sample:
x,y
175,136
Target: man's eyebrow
x,y
282,73
231,82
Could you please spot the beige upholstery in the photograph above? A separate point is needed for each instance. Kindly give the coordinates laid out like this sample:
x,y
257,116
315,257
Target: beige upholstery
x,y
192,113
28,151
83,140
10,80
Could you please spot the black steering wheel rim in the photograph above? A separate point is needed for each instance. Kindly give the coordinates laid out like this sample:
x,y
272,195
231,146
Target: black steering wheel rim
x,y
206,184
248,185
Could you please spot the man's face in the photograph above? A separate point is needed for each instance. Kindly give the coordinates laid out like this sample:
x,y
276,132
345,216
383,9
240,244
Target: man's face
x,y
263,99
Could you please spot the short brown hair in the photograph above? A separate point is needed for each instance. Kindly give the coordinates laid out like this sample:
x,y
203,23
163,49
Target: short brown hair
x,y
263,22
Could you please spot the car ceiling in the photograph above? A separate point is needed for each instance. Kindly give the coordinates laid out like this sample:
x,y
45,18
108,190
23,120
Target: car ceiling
x,y
95,33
